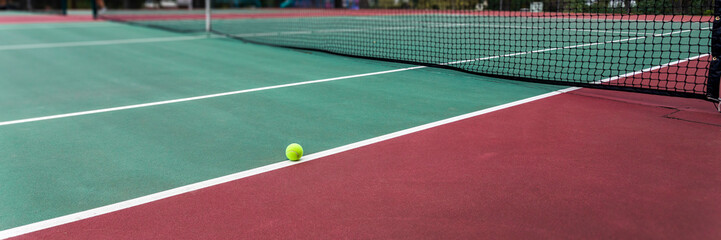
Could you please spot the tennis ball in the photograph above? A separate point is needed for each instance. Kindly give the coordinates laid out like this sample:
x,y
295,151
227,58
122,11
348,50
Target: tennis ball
x,y
294,152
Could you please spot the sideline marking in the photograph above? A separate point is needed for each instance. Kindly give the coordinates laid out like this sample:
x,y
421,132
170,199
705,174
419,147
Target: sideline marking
x,y
232,177
185,38
312,81
30,26
103,42
650,69
13,232
17,231
200,97
428,25
576,46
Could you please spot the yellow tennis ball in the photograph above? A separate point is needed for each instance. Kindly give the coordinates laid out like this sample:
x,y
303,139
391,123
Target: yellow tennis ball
x,y
294,152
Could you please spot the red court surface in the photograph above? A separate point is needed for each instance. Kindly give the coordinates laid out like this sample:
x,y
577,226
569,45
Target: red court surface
x,y
681,77
589,164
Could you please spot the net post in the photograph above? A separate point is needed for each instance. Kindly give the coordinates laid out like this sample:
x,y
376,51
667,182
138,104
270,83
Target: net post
x,y
208,19
64,7
714,74
94,7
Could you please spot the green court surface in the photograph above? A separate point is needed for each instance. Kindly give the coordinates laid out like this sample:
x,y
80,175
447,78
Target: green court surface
x,y
562,50
51,168
568,50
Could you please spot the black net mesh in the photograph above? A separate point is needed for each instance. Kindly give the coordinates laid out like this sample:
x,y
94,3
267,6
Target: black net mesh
x,y
659,47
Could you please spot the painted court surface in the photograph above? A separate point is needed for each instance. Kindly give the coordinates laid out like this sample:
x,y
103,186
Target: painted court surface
x,y
109,131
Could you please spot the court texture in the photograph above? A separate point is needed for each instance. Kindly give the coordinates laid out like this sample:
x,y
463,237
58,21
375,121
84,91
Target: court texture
x,y
116,131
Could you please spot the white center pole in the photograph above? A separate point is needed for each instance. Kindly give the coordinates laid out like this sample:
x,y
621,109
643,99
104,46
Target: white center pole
x,y
207,16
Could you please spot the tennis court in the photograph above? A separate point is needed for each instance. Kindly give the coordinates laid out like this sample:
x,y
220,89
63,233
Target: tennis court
x,y
112,130
538,46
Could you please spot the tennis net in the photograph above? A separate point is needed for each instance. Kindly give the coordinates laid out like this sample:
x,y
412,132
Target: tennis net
x,y
651,46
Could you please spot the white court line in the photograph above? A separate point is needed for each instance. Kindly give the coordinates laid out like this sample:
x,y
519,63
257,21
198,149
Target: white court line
x,y
540,28
650,69
212,182
101,42
299,83
186,38
199,97
236,176
58,26
567,47
429,25
303,83
435,25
